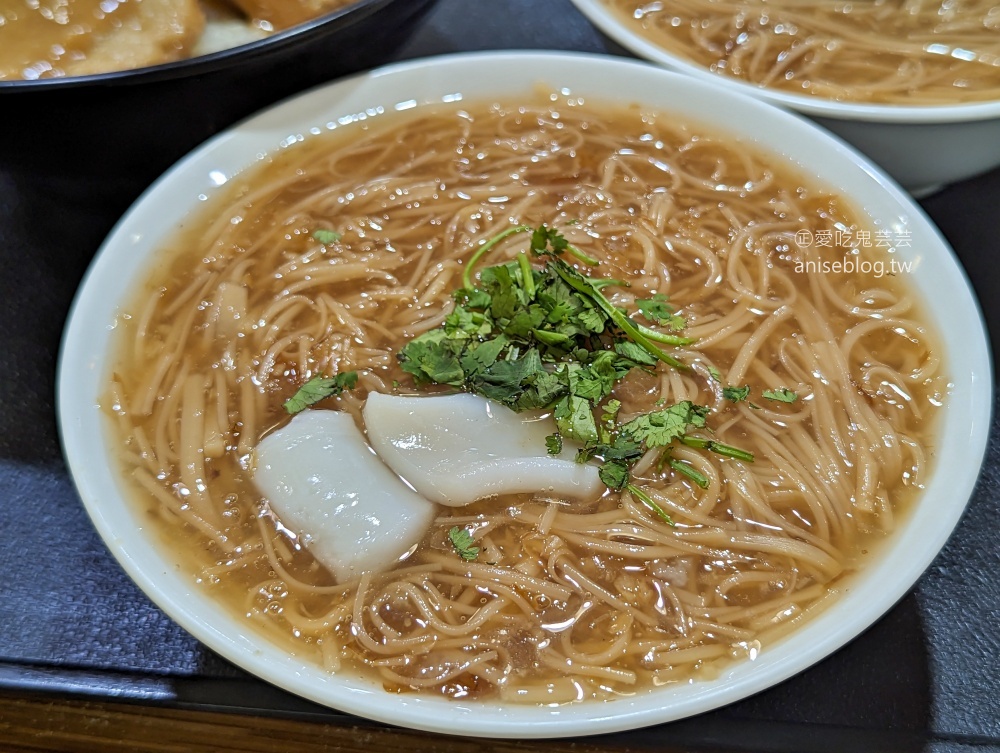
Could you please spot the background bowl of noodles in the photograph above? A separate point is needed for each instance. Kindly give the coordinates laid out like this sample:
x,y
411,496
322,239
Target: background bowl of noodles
x,y
915,88
114,131
90,416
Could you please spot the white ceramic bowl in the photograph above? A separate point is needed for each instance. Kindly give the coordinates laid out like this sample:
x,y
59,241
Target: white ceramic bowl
x,y
922,147
128,252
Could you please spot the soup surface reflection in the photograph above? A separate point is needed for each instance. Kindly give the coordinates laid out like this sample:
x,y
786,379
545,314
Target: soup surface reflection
x,y
792,302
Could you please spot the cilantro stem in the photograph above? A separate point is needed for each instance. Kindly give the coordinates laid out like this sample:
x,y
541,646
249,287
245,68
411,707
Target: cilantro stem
x,y
590,261
467,274
663,337
649,502
731,452
726,450
527,275
630,328
686,470
607,282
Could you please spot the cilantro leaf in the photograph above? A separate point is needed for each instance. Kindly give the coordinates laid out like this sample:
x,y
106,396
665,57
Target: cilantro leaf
x,y
465,322
714,373
622,447
553,444
660,428
610,413
575,419
434,357
736,394
319,388
326,237
461,539
658,310
614,474
475,299
634,353
591,320
541,390
595,381
480,356
781,395
505,294
505,379
544,237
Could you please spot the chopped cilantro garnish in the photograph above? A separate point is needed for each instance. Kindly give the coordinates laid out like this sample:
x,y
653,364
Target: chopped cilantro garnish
x,y
534,338
326,237
630,440
461,539
736,394
592,292
548,338
714,373
781,395
319,388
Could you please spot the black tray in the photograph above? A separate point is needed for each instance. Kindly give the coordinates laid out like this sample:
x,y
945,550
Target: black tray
x,y
927,676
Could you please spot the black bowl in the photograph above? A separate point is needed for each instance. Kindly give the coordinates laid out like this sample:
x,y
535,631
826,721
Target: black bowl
x,y
105,137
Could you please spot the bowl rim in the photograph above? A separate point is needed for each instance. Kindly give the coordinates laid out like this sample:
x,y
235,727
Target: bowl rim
x,y
339,18
124,257
610,24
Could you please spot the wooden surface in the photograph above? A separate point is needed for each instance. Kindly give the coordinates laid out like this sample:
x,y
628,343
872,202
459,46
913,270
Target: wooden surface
x,y
42,723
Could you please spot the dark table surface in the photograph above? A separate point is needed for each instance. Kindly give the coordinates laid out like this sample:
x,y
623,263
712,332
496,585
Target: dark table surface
x,y
925,677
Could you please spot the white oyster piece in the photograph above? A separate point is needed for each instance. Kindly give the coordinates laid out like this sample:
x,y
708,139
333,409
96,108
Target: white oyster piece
x,y
327,485
455,449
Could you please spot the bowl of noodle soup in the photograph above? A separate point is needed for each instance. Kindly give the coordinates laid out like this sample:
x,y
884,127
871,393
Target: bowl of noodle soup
x,y
214,298
914,86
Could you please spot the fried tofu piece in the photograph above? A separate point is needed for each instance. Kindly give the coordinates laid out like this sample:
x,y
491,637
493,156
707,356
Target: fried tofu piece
x,y
157,31
51,38
280,14
225,27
